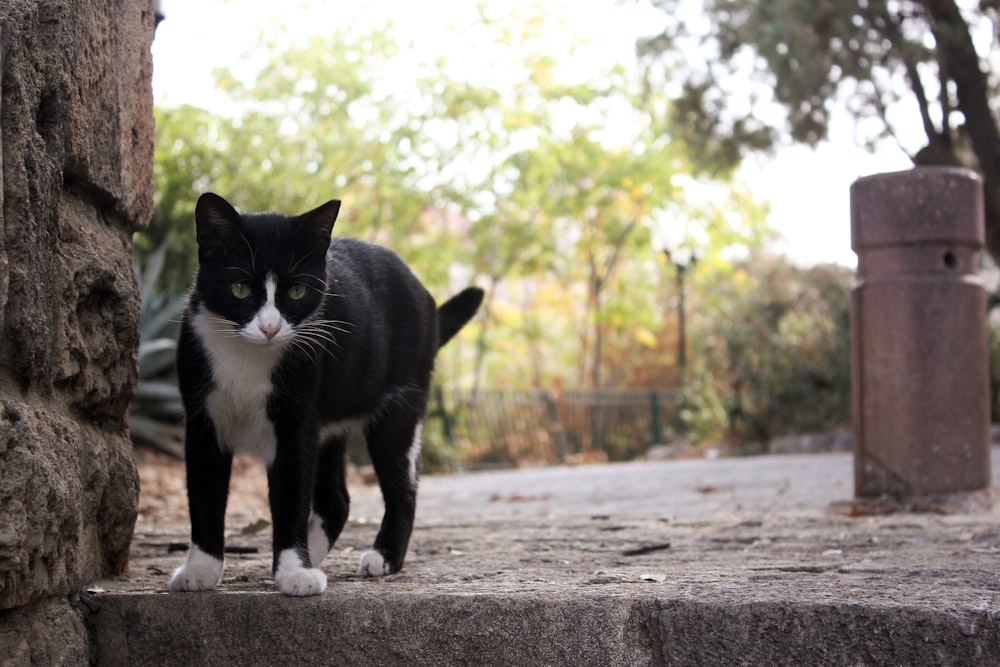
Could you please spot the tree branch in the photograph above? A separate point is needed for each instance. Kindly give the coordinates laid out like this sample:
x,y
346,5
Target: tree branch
x,y
895,36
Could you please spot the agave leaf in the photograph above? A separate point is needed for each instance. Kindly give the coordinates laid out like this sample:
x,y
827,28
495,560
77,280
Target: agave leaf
x,y
167,438
157,412
149,275
166,320
157,391
156,345
156,358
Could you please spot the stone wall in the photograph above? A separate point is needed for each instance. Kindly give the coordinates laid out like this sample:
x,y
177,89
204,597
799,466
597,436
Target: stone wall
x,y
76,135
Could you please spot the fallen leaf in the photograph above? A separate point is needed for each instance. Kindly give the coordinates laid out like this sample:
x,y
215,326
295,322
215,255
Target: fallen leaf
x,y
255,527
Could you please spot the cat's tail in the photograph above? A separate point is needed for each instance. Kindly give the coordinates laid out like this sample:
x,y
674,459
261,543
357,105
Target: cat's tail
x,y
454,313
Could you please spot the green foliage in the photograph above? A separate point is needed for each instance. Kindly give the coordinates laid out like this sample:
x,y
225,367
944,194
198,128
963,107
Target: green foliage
x,y
313,125
803,55
993,341
717,144
776,71
773,352
156,412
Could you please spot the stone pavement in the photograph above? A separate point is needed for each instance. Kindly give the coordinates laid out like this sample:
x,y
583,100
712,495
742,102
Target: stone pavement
x,y
731,561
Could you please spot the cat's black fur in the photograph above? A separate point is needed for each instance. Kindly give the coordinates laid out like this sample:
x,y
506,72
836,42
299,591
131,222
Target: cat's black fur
x,y
354,354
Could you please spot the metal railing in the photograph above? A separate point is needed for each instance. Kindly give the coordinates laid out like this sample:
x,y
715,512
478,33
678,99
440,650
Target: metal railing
x,y
511,428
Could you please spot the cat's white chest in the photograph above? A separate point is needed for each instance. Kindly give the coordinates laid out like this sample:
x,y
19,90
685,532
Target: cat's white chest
x,y
237,403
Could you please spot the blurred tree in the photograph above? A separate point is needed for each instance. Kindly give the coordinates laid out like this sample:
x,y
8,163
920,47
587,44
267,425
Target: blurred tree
x,y
888,62
599,198
773,350
538,184
191,155
559,160
315,123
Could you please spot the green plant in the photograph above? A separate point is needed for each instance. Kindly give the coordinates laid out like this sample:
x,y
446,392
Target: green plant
x,y
156,414
773,352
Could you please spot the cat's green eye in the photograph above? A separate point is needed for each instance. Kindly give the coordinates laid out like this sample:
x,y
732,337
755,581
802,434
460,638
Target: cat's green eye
x,y
241,289
296,292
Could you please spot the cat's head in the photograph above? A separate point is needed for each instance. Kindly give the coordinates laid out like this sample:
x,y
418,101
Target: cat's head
x,y
261,274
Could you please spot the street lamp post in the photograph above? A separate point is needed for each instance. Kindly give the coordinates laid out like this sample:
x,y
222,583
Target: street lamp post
x,y
680,270
671,237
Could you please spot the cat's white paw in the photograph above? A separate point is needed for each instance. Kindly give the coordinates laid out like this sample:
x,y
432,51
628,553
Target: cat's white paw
x,y
301,582
319,545
292,578
201,572
374,564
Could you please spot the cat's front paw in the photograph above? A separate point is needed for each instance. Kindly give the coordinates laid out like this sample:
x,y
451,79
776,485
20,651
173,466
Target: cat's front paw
x,y
293,578
374,564
302,582
201,572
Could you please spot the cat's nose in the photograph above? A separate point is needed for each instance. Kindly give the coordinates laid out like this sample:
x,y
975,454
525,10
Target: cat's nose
x,y
269,329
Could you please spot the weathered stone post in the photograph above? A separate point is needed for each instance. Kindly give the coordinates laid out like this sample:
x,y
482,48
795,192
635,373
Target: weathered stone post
x,y
919,349
76,137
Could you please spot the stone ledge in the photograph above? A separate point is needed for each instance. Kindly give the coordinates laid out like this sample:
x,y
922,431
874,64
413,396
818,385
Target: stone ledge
x,y
580,627
807,588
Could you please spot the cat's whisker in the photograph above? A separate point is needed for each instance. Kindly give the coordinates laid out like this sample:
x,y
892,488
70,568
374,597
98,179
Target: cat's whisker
x,y
329,329
324,330
304,257
305,277
306,348
326,327
253,251
342,322
310,345
318,337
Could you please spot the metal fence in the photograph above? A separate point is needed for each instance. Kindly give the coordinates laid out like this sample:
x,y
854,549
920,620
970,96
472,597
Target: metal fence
x,y
497,428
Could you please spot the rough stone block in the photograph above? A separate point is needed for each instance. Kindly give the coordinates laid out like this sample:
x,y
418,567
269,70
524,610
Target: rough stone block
x,y
69,493
76,139
49,632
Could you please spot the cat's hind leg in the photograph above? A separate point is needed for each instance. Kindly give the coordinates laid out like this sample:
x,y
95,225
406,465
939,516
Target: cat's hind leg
x,y
395,451
331,501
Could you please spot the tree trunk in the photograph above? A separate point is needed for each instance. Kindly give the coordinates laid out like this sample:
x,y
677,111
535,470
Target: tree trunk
x,y
954,42
484,330
598,339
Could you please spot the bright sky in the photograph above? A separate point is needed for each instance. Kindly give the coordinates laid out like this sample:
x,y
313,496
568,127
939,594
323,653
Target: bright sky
x,y
808,189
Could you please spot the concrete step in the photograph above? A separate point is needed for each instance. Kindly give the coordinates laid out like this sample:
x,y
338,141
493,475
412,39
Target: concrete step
x,y
504,570
563,627
805,589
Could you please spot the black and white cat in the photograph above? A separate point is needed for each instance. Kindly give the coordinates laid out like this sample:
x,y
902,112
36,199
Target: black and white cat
x,y
289,344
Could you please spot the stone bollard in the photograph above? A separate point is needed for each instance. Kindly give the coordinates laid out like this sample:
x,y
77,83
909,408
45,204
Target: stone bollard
x,y
920,380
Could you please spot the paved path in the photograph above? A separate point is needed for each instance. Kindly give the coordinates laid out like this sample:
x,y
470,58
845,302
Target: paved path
x,y
659,489
653,489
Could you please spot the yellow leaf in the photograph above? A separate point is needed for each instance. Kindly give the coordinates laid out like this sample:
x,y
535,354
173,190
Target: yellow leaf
x,y
645,337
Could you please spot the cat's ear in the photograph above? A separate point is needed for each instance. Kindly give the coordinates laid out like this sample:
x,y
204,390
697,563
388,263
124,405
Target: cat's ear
x,y
316,226
216,221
